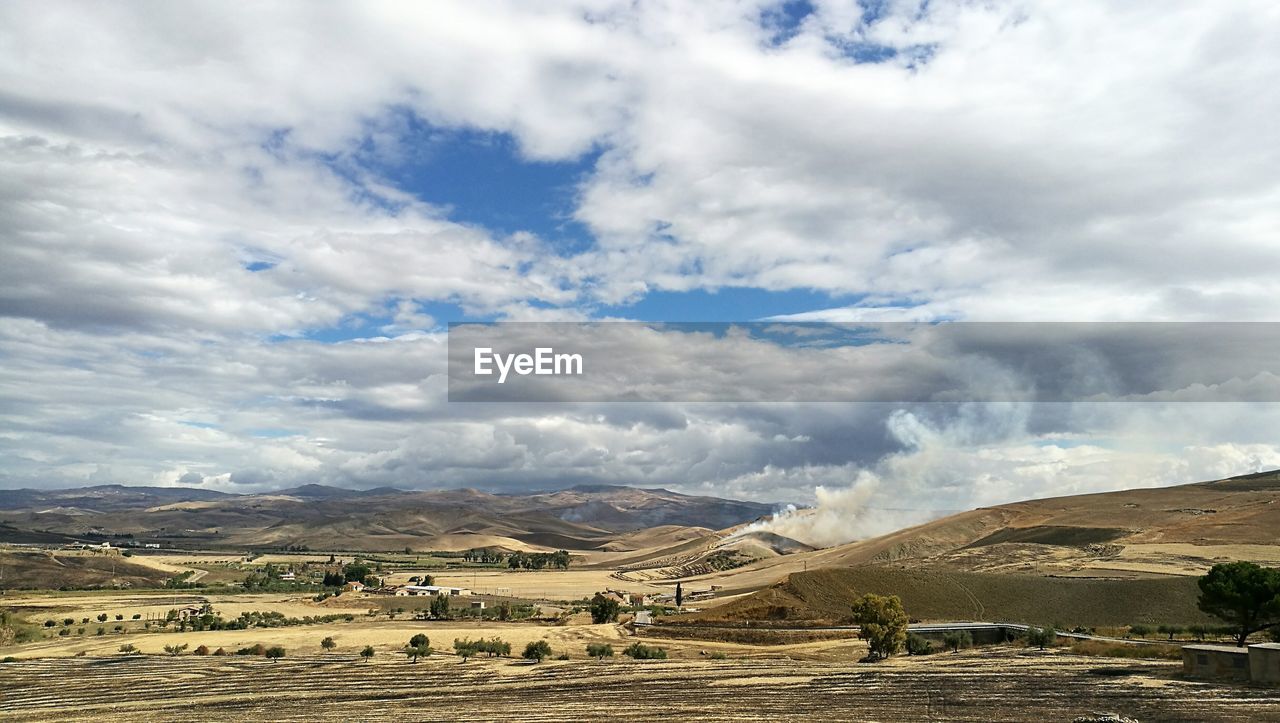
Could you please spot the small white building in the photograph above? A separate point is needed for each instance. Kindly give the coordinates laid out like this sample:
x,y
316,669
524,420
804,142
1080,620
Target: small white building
x,y
354,586
434,590
288,577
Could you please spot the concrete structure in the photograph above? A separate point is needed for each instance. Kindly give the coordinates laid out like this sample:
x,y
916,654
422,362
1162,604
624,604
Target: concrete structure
x,y
1216,662
477,604
1264,663
354,586
639,599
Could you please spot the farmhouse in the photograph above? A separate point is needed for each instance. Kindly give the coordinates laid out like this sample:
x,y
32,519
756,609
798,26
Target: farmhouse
x,y
354,586
434,590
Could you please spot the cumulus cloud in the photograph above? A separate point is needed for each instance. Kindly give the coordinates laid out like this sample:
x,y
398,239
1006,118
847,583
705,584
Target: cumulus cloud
x,y
191,197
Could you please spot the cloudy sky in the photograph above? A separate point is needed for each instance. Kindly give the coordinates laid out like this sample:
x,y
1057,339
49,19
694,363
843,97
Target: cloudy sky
x,y
230,237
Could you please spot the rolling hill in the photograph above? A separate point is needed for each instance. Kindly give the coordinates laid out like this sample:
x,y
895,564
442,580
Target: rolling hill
x,y
1114,543
327,518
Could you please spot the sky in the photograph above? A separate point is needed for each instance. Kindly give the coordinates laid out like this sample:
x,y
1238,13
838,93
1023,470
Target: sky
x,y
232,237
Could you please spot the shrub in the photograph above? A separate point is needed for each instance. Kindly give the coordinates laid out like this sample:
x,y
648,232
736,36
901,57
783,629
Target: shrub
x,y
102,617
1121,650
599,651
220,651
537,651
201,650
640,651
1140,631
258,649
718,655
1041,637
959,639
917,645
1199,632
68,622
64,632
136,616
128,648
102,631
175,650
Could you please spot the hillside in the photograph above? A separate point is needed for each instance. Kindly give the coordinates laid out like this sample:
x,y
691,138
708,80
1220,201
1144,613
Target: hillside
x,y
1122,540
327,518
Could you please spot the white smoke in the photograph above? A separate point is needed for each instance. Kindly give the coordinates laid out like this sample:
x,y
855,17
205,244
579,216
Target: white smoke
x,y
985,455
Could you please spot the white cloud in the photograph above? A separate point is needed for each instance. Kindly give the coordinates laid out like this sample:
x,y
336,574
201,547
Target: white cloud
x,y
1014,161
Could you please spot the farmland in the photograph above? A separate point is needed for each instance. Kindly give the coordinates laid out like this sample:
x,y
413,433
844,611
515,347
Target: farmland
x,y
964,687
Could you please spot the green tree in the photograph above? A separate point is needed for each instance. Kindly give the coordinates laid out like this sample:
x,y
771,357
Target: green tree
x,y
1242,594
328,644
1041,637
1140,630
604,609
599,651
640,651
1169,630
128,648
175,650
537,651
419,647
955,641
882,622
917,645
1198,631
440,607
679,594
467,648
275,653
367,653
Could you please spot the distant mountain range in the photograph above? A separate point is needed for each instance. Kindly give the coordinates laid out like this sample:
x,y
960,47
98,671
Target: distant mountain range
x,y
321,517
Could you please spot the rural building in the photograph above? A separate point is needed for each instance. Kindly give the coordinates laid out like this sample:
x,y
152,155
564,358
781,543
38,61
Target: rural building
x,y
614,596
288,577
477,604
354,586
1264,663
435,590
152,545
1216,662
639,599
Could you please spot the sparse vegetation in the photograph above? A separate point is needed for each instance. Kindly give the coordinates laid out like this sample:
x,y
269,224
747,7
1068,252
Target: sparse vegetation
x,y
367,653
